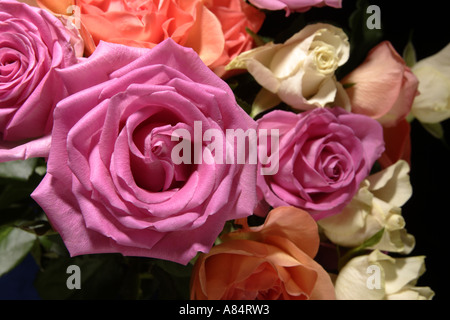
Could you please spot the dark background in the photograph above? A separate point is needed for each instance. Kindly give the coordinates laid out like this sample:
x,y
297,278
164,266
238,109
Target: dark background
x,y
426,213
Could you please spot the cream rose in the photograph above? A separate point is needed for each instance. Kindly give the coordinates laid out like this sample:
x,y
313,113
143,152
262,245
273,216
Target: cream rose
x,y
433,103
378,276
377,205
301,71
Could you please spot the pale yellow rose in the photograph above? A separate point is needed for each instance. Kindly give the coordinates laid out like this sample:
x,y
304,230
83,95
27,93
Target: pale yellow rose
x,y
377,276
433,103
377,205
300,71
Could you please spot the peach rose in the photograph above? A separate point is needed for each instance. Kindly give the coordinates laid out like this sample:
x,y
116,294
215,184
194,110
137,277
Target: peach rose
x,y
215,29
382,87
270,262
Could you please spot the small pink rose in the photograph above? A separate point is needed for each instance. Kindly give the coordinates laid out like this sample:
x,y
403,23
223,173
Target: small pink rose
x,y
33,44
324,155
112,183
382,87
294,5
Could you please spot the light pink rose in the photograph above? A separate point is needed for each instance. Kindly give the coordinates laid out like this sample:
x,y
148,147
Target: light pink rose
x,y
33,44
294,5
324,154
112,185
382,87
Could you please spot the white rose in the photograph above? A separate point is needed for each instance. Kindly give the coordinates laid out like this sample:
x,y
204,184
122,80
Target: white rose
x,y
377,205
433,103
301,71
378,276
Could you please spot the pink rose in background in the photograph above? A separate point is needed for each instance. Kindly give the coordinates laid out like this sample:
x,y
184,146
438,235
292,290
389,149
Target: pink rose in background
x,y
111,184
33,44
294,5
382,87
324,155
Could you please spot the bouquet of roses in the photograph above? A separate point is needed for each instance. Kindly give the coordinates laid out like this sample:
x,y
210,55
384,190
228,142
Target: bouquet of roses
x,y
158,149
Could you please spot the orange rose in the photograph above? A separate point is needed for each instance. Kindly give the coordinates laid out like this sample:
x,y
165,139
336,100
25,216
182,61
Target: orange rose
x,y
383,87
270,262
215,29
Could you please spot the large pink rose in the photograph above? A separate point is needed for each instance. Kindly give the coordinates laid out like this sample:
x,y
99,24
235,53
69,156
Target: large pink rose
x,y
294,5
33,44
112,184
324,155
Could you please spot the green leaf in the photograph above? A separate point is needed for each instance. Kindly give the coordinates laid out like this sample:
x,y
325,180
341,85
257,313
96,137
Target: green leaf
x,y
372,241
259,40
101,277
18,170
409,54
14,246
348,85
38,227
175,269
168,286
244,105
410,117
16,214
41,170
435,129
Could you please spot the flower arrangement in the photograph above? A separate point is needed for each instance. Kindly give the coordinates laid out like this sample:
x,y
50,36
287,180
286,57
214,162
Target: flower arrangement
x,y
212,149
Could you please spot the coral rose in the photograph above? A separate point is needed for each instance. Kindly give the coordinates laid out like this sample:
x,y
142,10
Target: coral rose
x,y
215,29
270,262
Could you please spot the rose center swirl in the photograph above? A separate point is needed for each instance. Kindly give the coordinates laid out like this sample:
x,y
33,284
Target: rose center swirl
x,y
152,167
